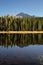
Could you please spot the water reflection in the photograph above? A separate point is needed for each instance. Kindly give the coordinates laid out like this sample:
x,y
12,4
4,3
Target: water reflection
x,y
31,55
21,49
20,40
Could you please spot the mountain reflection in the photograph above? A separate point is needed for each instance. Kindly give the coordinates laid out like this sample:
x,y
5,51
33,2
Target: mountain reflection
x,y
20,40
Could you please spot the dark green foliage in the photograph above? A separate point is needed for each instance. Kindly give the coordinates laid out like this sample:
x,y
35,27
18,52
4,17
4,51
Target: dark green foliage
x,y
10,23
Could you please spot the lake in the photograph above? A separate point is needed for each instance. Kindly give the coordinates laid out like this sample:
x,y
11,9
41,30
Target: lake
x,y
21,49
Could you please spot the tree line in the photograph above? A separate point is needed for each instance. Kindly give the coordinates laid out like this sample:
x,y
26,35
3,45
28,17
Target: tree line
x,y
10,23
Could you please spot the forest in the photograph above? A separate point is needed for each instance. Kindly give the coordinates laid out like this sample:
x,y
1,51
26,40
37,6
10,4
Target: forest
x,y
11,23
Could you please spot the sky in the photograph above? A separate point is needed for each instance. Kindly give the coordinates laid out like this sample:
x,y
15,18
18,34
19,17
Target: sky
x,y
13,7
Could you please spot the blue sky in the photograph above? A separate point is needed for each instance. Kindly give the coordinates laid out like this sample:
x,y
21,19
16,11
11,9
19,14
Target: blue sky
x,y
13,7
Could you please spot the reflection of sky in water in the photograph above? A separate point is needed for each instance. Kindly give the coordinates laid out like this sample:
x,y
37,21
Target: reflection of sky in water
x,y
28,54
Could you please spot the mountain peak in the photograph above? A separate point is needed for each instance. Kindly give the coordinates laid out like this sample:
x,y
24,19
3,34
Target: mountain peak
x,y
24,15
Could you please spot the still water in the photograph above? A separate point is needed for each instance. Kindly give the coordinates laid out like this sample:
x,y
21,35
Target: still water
x,y
21,49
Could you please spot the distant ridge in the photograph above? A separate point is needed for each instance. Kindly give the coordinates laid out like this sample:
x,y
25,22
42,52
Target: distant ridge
x,y
24,15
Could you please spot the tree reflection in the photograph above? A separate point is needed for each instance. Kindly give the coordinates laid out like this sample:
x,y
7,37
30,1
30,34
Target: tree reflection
x,y
20,40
